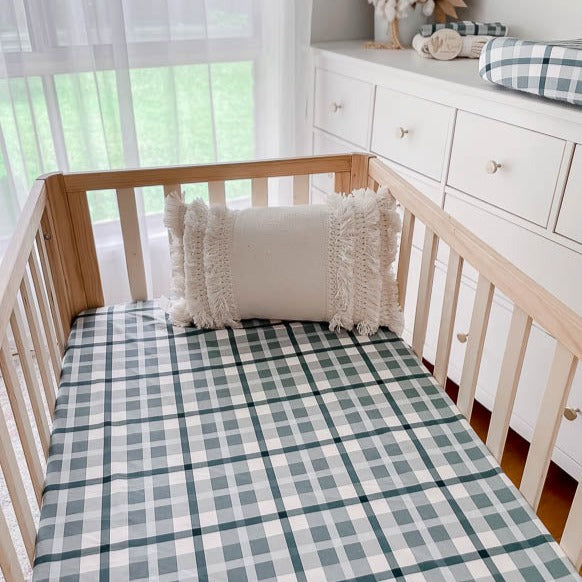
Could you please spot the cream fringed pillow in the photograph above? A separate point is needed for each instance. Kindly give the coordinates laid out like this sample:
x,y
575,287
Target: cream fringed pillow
x,y
329,262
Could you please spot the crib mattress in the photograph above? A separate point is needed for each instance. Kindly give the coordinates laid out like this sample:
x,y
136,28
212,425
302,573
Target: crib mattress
x,y
276,451
552,70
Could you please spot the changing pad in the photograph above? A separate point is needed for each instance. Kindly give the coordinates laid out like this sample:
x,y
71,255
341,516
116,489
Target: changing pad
x,y
552,70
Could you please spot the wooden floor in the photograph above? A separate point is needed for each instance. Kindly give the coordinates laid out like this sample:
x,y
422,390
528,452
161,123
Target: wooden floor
x,y
560,487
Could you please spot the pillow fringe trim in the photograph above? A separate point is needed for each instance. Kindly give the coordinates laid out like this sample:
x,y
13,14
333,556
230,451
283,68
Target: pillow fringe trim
x,y
341,264
174,213
196,297
218,244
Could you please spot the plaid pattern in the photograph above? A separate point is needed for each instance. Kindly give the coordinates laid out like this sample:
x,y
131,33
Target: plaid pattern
x,y
550,70
466,28
272,452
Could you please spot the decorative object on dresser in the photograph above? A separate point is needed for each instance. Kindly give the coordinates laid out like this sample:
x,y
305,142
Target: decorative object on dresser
x,y
506,165
550,69
388,16
444,8
447,44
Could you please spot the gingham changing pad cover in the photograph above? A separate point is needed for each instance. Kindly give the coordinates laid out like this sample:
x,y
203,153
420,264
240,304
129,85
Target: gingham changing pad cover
x,y
276,451
540,68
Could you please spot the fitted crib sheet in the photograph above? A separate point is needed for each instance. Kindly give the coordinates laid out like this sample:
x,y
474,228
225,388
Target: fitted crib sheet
x,y
276,451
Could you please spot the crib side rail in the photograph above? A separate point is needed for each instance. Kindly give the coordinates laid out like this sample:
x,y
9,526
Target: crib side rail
x,y
31,347
531,303
74,248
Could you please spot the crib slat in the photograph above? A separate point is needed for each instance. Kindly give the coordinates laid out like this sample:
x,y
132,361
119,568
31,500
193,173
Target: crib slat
x,y
477,332
372,184
572,537
260,192
22,420
404,255
132,243
429,251
47,321
46,377
30,378
50,286
342,183
171,188
217,193
448,315
517,339
15,486
9,562
547,424
301,189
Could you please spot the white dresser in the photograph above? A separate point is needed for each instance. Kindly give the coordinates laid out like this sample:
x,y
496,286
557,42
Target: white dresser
x,y
507,165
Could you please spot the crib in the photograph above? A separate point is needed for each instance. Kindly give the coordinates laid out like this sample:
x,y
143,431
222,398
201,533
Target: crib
x,y
50,274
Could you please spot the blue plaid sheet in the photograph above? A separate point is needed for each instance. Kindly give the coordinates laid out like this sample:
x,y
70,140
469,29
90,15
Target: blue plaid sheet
x,y
552,70
273,452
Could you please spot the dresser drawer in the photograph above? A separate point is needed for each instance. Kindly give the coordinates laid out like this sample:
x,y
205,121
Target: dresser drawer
x,y
411,131
570,217
507,166
342,106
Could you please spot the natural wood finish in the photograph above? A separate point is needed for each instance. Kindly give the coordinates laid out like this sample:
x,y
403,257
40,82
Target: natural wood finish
x,y
217,193
22,420
13,263
16,489
30,378
547,424
372,184
171,188
48,383
448,315
342,183
571,541
511,366
404,255
46,317
9,562
63,255
301,189
132,243
119,179
85,241
553,315
429,251
50,287
260,192
477,332
359,173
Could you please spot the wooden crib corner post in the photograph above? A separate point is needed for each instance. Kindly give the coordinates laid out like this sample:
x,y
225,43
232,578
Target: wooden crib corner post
x,y
359,172
66,227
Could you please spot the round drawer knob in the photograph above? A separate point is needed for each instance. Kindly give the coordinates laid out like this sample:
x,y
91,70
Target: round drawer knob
x,y
571,413
335,107
492,166
463,337
401,132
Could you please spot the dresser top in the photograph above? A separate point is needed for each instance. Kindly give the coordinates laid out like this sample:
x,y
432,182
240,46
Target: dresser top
x,y
458,75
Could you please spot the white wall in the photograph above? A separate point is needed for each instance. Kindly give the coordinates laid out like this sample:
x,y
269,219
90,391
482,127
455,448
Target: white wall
x,y
341,20
531,19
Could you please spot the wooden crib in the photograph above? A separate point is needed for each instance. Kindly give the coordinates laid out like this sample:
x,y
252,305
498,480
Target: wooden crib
x,y
50,273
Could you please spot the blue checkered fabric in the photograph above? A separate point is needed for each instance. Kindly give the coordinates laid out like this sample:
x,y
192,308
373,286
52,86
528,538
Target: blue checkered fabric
x,y
273,452
550,70
466,28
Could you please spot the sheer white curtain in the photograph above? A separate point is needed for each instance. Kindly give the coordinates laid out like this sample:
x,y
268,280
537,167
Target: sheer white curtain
x,y
97,84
